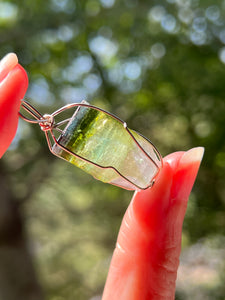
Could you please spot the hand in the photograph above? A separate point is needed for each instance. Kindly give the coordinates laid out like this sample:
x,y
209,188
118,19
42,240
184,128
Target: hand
x,y
146,258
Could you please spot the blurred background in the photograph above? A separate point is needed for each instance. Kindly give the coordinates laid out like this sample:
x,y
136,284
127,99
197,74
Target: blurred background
x,y
158,65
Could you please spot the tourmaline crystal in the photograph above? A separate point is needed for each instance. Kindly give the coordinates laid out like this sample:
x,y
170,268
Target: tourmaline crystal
x,y
101,139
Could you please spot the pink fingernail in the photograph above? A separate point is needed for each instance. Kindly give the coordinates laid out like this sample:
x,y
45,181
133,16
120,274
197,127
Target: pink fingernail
x,y
7,63
192,155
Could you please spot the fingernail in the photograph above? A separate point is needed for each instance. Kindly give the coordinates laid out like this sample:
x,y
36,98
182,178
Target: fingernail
x,y
192,155
186,173
7,63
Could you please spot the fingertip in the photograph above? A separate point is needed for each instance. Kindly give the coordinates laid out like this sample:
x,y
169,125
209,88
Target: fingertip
x,y
186,172
7,63
13,88
193,155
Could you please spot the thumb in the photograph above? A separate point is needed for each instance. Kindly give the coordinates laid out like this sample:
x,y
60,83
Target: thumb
x,y
13,85
146,258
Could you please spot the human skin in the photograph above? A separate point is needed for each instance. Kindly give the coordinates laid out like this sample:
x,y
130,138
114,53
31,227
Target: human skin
x,y
146,258
145,261
13,86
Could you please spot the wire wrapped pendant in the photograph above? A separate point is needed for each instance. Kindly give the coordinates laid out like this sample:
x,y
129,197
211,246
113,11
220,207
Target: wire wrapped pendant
x,y
101,144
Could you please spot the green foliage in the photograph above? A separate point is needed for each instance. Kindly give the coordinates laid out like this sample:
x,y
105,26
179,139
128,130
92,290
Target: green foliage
x,y
159,65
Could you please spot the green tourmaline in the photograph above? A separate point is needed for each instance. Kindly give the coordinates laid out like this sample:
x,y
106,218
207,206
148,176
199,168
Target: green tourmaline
x,y
101,139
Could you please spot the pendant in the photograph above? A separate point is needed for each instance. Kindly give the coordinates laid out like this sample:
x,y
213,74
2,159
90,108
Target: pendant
x,y
101,144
